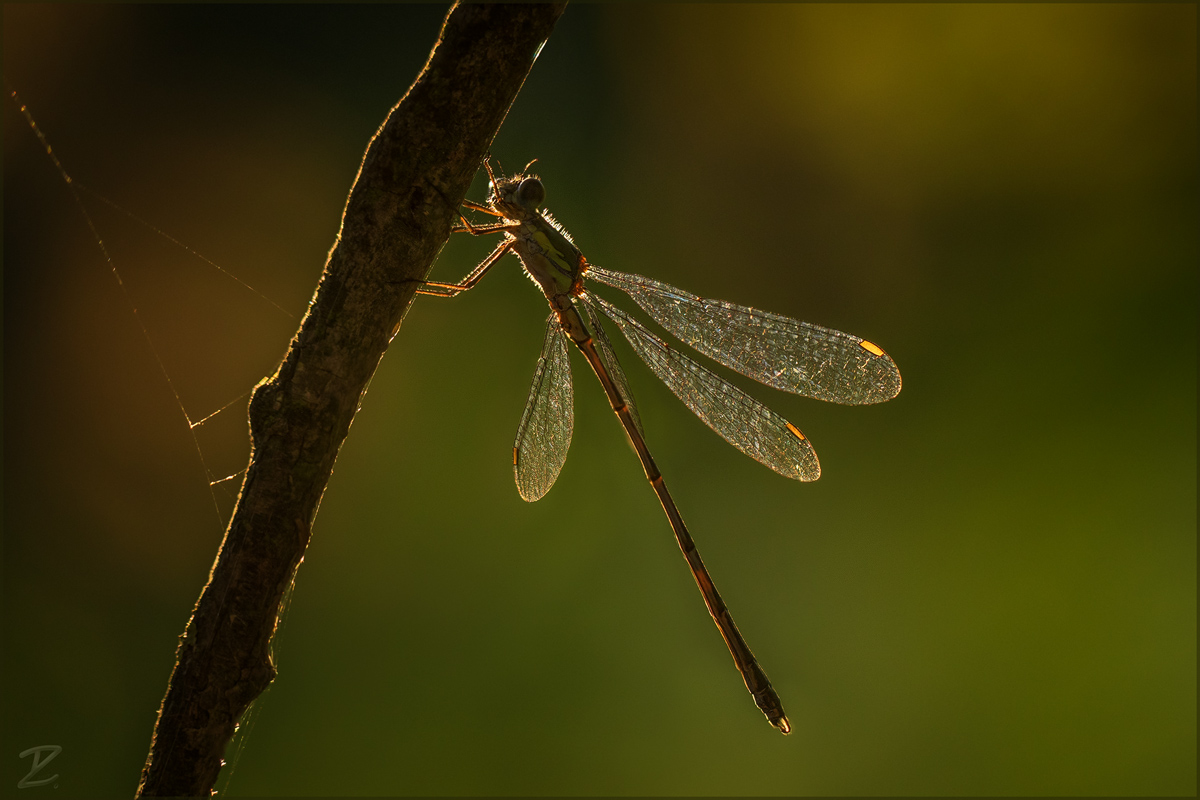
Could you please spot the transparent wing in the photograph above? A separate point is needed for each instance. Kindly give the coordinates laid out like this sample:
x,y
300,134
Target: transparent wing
x,y
744,422
545,433
609,357
773,349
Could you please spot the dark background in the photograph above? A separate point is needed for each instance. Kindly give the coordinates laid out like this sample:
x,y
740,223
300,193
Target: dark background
x,y
992,588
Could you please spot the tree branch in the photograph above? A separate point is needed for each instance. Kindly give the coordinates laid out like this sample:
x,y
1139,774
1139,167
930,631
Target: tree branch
x,y
415,172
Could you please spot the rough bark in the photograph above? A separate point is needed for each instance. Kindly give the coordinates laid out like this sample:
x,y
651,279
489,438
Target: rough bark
x,y
416,170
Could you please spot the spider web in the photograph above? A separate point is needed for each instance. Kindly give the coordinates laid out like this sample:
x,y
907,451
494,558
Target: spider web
x,y
154,256
138,255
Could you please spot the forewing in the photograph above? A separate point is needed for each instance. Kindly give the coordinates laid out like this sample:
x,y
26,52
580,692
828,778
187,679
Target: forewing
x,y
741,420
779,351
545,432
609,358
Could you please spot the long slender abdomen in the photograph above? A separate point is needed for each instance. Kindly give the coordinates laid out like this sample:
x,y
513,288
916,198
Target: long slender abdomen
x,y
752,673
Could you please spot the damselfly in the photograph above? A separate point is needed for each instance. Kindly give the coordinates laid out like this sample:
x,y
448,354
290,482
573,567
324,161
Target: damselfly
x,y
775,350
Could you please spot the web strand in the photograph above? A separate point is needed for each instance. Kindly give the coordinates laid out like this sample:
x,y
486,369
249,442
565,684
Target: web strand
x,y
175,241
226,478
203,420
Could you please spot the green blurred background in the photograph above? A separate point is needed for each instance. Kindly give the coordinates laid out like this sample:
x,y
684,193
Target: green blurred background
x,y
992,588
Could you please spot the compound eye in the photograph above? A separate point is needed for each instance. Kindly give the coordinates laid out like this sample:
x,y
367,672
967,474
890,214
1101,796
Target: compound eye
x,y
531,193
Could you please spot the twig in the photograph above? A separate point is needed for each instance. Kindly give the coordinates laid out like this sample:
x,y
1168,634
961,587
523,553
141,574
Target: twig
x,y
405,199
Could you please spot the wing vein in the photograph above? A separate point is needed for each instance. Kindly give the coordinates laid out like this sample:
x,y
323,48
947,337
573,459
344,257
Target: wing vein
x,y
741,420
775,350
544,435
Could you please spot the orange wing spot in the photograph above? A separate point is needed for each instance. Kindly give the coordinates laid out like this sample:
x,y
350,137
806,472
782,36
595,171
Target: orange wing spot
x,y
795,431
870,347
514,456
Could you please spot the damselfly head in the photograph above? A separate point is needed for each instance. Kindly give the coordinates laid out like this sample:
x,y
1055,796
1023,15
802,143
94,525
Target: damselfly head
x,y
518,197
